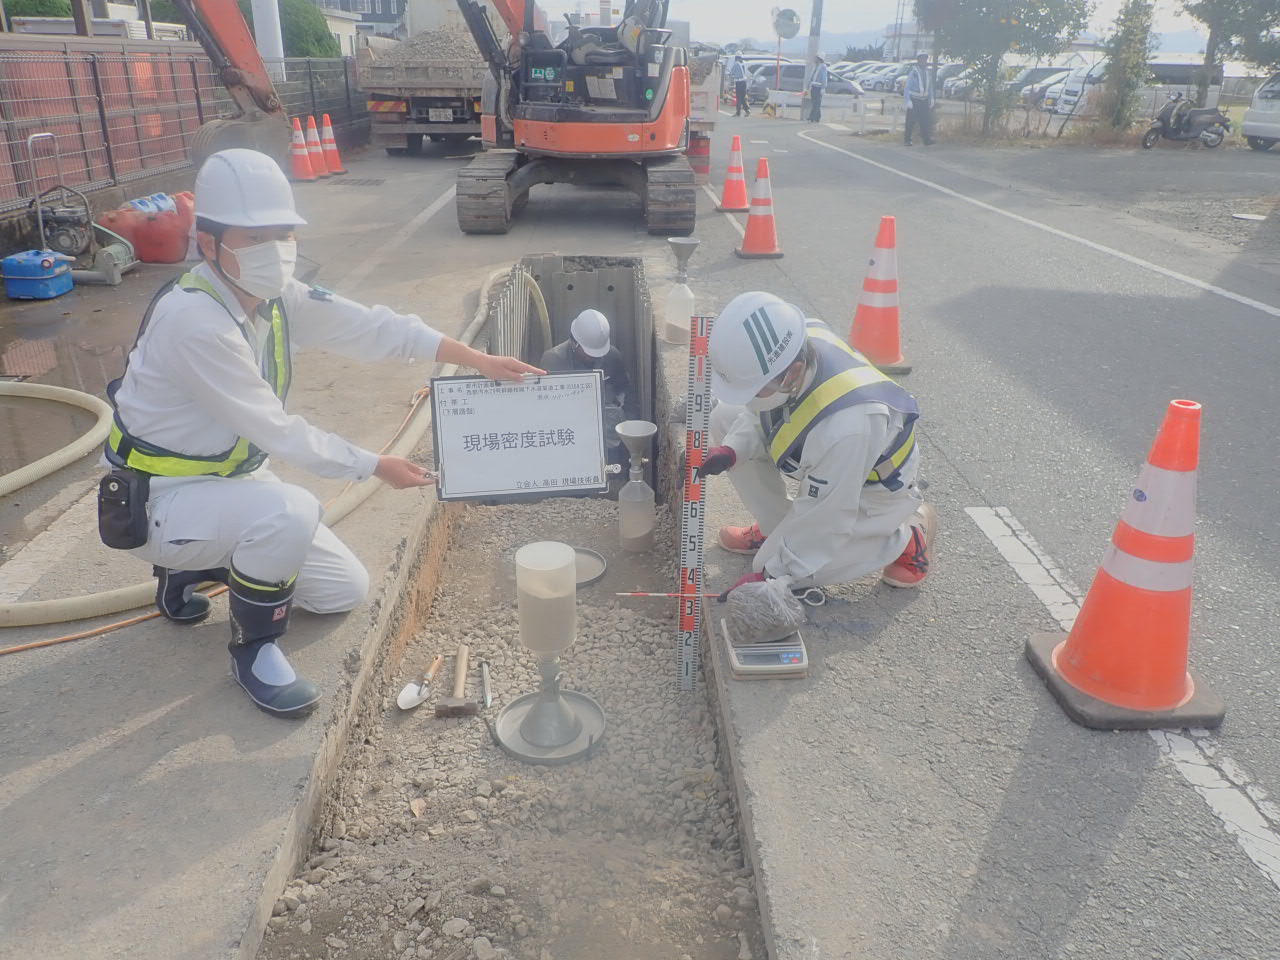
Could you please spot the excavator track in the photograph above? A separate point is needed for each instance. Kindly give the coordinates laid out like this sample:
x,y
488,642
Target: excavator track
x,y
670,201
484,196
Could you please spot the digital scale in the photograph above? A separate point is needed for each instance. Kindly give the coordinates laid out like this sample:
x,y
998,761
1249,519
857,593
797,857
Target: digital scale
x,y
775,660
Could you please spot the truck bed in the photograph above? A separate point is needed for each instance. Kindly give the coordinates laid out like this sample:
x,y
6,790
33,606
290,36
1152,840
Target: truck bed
x,y
420,78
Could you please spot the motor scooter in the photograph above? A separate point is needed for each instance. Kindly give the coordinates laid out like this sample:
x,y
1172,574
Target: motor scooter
x,y
1178,120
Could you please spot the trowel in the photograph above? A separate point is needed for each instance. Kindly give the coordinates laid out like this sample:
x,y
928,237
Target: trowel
x,y
417,690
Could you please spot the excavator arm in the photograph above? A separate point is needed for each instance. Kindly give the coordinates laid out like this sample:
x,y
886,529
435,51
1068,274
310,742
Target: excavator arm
x,y
261,122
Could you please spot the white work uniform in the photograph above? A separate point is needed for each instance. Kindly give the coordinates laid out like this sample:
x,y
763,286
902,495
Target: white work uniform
x,y
838,527
193,386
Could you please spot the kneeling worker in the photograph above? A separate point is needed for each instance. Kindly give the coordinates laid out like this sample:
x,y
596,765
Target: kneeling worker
x,y
797,402
200,407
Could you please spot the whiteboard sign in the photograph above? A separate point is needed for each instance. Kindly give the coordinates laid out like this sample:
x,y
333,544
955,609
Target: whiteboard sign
x,y
543,436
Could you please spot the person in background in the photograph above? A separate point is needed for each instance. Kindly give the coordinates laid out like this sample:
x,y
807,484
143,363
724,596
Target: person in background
x,y
738,74
920,100
817,87
589,347
201,406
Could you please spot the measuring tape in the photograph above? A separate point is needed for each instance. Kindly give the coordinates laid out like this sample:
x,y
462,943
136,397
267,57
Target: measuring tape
x,y
697,425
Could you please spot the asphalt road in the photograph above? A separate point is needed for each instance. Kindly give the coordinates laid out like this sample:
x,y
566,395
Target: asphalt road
x,y
1050,322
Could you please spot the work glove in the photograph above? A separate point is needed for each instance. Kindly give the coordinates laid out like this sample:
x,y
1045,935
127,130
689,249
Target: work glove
x,y
745,578
716,462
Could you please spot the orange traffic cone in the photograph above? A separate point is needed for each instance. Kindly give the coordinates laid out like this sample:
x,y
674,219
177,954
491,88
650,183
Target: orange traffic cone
x,y
761,240
299,160
332,159
733,199
875,331
315,152
1124,664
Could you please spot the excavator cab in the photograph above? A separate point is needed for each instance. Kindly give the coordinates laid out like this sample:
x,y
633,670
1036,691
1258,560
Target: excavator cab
x,y
607,105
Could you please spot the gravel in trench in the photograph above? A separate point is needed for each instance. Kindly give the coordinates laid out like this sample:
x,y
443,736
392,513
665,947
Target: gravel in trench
x,y
438,845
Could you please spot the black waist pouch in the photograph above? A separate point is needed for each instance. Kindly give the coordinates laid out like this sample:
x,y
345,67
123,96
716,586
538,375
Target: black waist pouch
x,y
122,508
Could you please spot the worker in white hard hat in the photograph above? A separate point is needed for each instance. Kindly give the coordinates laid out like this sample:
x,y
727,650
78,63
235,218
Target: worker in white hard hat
x,y
200,408
796,402
590,347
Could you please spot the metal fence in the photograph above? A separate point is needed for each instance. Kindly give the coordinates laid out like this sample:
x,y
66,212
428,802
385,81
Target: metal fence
x,y
119,117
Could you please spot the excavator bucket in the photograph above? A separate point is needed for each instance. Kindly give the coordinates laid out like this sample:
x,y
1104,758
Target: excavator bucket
x,y
269,135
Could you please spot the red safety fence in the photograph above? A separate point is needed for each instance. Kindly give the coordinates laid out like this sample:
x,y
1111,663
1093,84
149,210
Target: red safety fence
x,y
118,117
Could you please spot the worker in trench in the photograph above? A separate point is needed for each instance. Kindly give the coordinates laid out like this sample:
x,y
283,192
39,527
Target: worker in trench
x,y
201,406
796,402
590,347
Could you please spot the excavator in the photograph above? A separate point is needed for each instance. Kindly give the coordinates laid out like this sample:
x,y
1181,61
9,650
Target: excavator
x,y
607,106
260,122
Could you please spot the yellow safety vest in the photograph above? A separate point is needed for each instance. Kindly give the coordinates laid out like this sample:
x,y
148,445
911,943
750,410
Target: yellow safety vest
x,y
123,449
843,378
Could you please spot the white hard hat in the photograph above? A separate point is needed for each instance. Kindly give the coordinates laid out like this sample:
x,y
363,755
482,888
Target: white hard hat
x,y
245,188
755,338
590,329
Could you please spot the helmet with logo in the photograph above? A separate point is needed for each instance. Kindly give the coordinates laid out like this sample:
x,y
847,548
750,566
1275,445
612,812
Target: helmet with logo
x,y
755,338
245,188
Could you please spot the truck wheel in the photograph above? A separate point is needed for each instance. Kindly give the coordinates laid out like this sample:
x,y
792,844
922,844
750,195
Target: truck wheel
x,y
413,143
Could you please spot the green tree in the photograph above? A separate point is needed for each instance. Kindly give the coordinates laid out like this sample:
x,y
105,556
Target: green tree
x,y
854,54
38,8
303,27
1246,28
165,11
982,32
1128,50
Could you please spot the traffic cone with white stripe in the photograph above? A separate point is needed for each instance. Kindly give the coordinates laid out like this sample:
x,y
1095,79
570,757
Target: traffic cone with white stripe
x,y
1124,664
876,330
761,239
332,158
315,152
299,160
733,199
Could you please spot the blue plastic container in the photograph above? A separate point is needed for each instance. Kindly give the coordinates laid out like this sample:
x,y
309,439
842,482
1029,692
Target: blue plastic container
x,y
156,203
37,274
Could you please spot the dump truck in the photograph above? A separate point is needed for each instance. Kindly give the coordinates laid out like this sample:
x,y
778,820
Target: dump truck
x,y
426,86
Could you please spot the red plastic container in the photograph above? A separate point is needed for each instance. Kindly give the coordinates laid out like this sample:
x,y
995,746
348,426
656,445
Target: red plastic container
x,y
124,221
161,238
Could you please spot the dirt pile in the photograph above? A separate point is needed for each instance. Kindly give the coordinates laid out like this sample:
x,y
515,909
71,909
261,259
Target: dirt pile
x,y
434,45
440,847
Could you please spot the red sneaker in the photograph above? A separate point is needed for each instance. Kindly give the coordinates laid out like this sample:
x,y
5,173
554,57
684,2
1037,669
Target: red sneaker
x,y
910,569
742,539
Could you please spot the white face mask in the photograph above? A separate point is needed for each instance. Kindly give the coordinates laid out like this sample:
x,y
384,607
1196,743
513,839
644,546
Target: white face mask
x,y
772,402
265,268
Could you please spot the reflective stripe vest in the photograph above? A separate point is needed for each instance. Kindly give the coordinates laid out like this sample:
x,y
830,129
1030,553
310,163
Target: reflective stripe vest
x,y
123,449
843,378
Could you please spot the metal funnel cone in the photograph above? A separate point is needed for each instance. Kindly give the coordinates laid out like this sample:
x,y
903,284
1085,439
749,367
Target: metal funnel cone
x,y
683,248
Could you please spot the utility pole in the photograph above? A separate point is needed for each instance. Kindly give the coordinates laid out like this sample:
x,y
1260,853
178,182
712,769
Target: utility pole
x,y
266,31
815,32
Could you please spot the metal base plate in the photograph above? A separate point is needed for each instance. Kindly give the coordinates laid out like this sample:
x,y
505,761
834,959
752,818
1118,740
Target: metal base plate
x,y
506,730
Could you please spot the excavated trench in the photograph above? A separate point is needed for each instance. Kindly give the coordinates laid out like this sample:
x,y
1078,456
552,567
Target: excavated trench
x,y
434,843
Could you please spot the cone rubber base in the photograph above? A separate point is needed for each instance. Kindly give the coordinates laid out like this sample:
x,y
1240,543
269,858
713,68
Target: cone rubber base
x,y
1204,709
900,367
776,255
733,209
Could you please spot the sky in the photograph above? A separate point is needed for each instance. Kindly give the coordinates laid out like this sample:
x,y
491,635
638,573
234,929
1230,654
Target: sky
x,y
720,21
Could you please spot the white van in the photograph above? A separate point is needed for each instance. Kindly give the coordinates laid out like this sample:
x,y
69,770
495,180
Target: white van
x,y
1262,119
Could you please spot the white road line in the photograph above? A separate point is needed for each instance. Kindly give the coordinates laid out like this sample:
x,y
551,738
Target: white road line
x,y
725,113
48,550
742,231
838,126
1243,807
1258,305
353,278
757,141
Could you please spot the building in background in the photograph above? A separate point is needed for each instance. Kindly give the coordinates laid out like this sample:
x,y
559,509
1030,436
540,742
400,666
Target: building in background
x,y
904,39
384,17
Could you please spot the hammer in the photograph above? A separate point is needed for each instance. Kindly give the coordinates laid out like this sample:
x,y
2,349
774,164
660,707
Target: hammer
x,y
458,705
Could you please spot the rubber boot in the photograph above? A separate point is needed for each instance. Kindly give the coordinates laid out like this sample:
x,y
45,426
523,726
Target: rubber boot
x,y
176,595
259,616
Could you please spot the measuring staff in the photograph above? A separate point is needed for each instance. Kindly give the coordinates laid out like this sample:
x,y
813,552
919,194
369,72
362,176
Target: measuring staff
x,y
200,407
797,402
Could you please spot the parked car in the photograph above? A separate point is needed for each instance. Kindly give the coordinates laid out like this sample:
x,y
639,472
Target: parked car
x,y
794,77
1262,120
1034,93
949,87
887,79
1075,92
1030,75
1053,94
948,70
